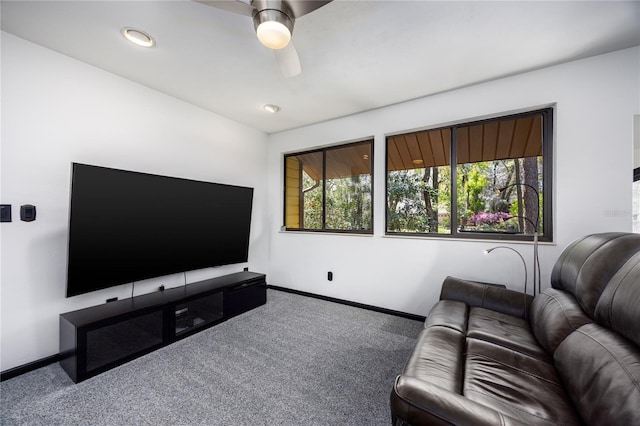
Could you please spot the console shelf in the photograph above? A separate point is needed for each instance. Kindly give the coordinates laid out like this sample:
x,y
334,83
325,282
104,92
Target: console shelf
x,y
96,339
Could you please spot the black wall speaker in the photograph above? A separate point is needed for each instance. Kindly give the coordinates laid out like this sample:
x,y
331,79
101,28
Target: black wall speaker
x,y
27,213
5,212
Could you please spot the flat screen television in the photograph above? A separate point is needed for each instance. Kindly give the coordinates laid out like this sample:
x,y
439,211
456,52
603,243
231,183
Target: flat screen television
x,y
127,226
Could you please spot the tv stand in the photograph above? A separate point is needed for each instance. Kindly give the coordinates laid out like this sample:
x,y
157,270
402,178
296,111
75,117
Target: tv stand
x,y
96,339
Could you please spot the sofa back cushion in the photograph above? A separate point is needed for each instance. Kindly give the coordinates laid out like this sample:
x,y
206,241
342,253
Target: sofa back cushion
x,y
554,315
601,372
619,305
587,265
490,296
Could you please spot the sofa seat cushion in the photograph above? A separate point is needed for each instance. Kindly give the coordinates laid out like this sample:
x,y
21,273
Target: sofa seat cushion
x,y
449,313
515,384
505,330
416,402
438,358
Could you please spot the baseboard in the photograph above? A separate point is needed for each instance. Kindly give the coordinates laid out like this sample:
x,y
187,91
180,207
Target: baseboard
x,y
22,369
349,303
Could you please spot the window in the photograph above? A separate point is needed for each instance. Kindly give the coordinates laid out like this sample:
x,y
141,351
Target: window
x,y
330,189
485,179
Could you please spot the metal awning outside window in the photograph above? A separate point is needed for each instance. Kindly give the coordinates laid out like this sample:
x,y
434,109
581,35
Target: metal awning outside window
x,y
352,160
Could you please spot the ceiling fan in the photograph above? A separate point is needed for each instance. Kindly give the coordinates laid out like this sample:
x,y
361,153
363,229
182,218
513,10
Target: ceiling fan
x,y
273,21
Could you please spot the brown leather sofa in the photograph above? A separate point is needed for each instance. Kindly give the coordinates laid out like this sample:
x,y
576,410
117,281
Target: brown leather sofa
x,y
571,355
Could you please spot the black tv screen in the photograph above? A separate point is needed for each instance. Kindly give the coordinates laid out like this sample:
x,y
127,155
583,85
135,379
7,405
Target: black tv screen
x,y
127,226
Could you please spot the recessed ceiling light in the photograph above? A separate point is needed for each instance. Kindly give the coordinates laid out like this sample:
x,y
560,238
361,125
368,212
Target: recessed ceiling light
x,y
138,37
271,108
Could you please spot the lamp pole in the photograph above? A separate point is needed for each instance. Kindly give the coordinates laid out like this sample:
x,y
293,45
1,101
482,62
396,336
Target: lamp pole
x,y
536,261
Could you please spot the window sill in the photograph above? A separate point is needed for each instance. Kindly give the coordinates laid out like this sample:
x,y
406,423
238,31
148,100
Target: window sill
x,y
341,234
468,240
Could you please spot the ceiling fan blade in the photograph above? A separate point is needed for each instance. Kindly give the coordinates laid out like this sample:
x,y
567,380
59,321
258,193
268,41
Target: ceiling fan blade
x,y
302,7
235,6
288,61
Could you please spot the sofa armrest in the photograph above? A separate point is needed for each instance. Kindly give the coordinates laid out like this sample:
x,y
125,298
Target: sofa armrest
x,y
417,402
488,296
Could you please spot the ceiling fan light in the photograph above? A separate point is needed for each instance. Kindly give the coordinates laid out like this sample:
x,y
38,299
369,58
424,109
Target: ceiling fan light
x,y
273,28
273,35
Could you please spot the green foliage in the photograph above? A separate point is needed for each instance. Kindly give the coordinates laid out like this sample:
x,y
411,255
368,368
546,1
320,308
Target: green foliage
x,y
417,204
413,200
312,218
406,210
478,196
472,181
348,203
513,208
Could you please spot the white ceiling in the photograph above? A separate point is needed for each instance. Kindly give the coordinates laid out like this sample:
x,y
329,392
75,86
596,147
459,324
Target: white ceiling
x,y
355,55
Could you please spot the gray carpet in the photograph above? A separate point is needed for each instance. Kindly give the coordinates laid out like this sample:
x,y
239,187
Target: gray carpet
x,y
294,361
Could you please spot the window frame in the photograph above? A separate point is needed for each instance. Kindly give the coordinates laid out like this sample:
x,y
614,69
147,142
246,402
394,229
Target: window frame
x,y
547,114
324,150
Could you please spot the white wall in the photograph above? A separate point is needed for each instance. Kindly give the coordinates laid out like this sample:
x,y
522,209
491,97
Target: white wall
x,y
56,110
595,100
636,140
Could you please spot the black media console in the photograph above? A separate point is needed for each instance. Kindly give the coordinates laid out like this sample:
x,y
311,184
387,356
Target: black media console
x,y
96,339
